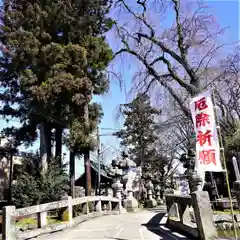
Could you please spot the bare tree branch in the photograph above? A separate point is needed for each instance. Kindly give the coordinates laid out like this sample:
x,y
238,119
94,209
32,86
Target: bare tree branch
x,y
155,51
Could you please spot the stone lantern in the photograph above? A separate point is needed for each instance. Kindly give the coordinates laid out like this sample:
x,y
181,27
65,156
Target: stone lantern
x,y
195,180
151,202
116,174
129,177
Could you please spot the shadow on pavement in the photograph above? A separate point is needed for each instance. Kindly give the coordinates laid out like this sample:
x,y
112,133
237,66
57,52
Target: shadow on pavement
x,y
155,220
154,226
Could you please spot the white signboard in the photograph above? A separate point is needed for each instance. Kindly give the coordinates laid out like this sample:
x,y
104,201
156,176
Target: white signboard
x,y
207,145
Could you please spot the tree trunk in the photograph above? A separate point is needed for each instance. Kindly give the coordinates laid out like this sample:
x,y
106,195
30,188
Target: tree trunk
x,y
58,148
72,174
87,162
87,165
45,145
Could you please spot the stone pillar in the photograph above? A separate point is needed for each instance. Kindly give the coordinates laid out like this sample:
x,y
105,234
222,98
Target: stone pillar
x,y
109,206
42,219
195,182
204,215
68,212
236,184
131,203
236,190
236,169
8,223
150,202
99,206
85,208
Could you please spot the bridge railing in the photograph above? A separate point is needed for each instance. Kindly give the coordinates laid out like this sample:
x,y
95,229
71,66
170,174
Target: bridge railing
x,y
191,214
71,211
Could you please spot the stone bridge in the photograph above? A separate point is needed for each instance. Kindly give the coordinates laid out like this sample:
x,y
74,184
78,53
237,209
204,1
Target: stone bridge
x,y
103,217
143,225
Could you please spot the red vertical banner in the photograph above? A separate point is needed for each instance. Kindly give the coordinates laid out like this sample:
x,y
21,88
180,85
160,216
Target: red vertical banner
x,y
207,144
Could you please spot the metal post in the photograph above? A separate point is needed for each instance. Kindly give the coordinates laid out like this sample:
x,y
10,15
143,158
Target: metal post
x,y
99,162
10,178
72,173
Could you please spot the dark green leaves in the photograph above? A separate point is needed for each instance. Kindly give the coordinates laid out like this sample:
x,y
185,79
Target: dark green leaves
x,y
139,127
33,187
55,60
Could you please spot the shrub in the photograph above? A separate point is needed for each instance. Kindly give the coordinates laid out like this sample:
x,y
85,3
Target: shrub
x,y
34,187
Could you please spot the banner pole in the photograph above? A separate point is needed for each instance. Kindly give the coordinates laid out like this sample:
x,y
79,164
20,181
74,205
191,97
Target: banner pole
x,y
224,163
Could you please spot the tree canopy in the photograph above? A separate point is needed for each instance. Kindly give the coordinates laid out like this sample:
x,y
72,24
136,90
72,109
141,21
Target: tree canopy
x,y
138,129
54,60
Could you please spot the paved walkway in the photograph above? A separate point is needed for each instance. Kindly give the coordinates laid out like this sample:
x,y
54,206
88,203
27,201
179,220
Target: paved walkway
x,y
130,226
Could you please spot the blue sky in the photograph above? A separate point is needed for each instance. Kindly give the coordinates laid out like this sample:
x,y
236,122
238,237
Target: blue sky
x,y
226,14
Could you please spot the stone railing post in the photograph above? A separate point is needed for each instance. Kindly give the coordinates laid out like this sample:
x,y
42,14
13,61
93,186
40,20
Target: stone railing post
x,y
236,190
85,209
109,206
195,181
204,215
99,206
8,223
42,219
68,212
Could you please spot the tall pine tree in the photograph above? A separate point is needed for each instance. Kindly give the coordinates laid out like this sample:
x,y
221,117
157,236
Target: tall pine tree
x,y
54,59
138,129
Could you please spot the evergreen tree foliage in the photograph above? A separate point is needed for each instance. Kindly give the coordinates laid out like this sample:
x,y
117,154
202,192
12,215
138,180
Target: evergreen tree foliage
x,y
54,59
232,139
139,127
80,138
33,186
